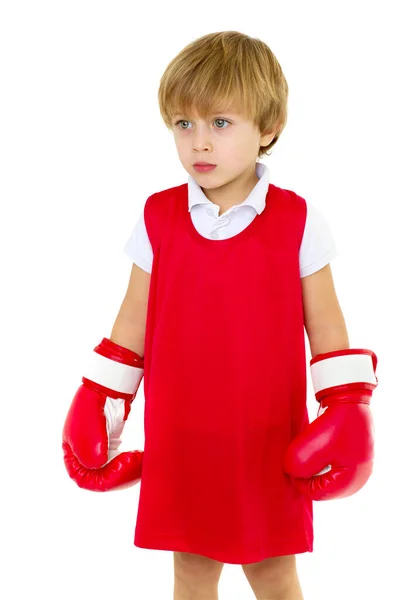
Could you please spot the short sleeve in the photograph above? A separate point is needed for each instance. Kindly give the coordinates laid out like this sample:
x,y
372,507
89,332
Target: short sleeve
x,y
318,246
138,246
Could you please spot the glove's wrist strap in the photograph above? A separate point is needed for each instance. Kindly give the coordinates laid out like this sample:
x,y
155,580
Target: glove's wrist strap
x,y
342,367
113,375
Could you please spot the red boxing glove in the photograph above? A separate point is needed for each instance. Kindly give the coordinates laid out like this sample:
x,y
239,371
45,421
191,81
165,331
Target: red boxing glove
x,y
333,456
96,418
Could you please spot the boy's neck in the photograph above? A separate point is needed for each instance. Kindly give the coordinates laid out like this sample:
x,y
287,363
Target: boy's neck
x,y
233,193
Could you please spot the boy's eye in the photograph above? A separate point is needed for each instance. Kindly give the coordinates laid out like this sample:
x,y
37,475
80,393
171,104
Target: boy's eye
x,y
184,121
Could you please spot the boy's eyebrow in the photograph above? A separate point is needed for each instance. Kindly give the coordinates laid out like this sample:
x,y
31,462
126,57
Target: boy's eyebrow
x,y
226,112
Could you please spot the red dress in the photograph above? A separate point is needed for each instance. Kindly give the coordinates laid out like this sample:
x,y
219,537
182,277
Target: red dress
x,y
224,384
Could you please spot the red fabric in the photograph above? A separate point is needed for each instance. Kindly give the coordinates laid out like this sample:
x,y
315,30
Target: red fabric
x,y
224,385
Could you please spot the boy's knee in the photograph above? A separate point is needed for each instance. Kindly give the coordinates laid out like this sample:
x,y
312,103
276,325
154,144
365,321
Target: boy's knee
x,y
196,564
196,576
271,574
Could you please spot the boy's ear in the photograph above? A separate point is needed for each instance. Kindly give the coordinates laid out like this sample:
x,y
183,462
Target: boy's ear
x,y
271,132
268,135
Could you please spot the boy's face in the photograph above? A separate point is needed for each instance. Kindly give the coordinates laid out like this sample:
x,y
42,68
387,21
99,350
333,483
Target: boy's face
x,y
225,138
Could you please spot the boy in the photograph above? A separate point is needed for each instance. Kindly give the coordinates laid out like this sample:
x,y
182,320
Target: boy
x,y
228,270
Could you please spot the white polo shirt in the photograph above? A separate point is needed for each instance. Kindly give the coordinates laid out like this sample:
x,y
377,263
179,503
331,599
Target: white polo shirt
x,y
317,246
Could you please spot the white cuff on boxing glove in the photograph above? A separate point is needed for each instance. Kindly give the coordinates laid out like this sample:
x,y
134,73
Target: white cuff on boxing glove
x,y
342,367
112,374
121,378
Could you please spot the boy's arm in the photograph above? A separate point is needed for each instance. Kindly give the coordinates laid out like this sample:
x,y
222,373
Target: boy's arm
x,y
101,405
130,325
323,317
333,456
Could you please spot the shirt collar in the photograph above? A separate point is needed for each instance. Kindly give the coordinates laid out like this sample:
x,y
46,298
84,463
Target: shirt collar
x,y
256,198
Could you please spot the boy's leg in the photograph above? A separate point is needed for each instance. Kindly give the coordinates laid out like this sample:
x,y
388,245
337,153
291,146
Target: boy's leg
x,y
274,578
196,577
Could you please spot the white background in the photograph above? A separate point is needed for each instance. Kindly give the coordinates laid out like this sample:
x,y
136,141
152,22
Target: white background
x,y
82,147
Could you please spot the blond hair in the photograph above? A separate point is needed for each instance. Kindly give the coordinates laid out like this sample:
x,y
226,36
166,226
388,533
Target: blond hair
x,y
222,69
